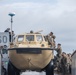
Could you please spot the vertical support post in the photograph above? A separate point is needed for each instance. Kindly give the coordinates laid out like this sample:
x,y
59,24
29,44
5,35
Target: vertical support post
x,y
11,14
11,28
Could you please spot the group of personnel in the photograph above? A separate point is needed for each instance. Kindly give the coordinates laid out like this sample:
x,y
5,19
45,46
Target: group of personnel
x,y
62,61
66,63
11,34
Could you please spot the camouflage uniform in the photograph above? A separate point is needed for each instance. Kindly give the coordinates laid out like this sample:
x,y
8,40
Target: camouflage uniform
x,y
59,52
63,64
69,61
54,43
58,57
49,38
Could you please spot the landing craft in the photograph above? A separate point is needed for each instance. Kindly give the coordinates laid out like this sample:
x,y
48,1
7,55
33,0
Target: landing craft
x,y
30,51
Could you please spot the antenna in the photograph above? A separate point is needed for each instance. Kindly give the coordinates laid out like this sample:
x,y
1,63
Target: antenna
x,y
11,14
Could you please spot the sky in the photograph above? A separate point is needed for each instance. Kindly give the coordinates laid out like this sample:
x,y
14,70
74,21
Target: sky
x,y
58,16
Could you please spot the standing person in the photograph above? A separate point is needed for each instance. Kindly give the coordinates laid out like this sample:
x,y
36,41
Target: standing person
x,y
54,43
70,62
9,36
59,50
50,39
63,64
58,56
13,34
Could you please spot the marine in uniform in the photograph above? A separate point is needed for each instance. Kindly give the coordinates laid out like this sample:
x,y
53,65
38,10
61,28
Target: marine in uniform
x,y
58,56
51,39
69,61
54,43
58,50
63,64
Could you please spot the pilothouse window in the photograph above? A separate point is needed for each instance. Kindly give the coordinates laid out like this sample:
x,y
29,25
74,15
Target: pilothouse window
x,y
29,37
39,38
20,38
